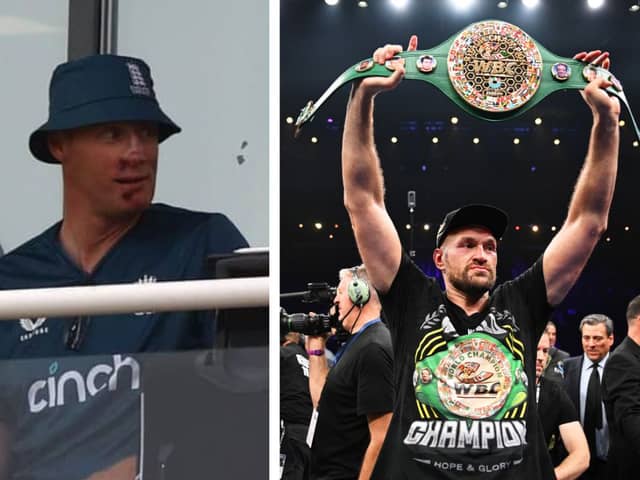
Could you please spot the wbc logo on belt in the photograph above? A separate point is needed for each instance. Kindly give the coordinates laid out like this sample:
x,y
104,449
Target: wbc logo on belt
x,y
474,379
494,66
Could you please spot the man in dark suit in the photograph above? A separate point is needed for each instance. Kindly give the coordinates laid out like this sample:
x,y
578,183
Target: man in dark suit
x,y
621,393
596,331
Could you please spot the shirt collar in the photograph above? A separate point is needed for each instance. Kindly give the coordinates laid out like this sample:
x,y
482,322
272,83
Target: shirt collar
x,y
587,362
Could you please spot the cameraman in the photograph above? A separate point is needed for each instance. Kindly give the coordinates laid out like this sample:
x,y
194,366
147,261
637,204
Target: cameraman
x,y
355,398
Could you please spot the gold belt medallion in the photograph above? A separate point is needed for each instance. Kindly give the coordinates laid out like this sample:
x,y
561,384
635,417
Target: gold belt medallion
x,y
494,66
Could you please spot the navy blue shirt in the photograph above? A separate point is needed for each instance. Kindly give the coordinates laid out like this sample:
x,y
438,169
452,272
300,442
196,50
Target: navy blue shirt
x,y
76,412
167,244
71,416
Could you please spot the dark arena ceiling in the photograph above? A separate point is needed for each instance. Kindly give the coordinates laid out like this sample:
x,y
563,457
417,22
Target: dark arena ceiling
x,y
531,180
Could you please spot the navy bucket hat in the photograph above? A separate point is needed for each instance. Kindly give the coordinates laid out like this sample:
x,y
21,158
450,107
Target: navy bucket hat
x,y
100,89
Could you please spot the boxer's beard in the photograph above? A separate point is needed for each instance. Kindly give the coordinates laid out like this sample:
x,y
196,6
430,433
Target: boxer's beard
x,y
472,286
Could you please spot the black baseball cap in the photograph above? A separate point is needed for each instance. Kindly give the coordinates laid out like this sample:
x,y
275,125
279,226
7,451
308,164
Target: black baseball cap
x,y
100,89
492,218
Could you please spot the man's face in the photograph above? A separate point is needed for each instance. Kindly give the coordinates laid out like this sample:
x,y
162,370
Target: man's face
x,y
592,73
344,304
595,341
561,70
468,259
111,167
550,330
542,355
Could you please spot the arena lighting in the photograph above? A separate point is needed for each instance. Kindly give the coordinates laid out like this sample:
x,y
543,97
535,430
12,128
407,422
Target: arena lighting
x,y
530,3
621,123
407,226
516,141
394,139
635,143
426,226
331,236
535,228
363,4
593,4
318,226
289,120
400,4
435,140
476,140
331,3
626,229
503,4
554,228
461,4
301,225
538,121
454,120
314,139
556,141
635,7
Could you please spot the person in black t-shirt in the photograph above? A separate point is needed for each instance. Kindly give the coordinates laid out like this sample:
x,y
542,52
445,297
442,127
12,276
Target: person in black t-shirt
x,y
295,407
464,358
354,399
560,421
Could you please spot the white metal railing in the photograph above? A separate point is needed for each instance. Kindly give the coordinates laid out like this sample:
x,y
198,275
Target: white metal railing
x,y
135,297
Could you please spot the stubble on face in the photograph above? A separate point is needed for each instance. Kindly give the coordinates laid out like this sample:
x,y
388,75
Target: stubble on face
x,y
471,284
111,168
470,276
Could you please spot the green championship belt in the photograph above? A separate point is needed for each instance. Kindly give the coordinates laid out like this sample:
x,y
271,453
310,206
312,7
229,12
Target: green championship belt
x,y
475,377
491,69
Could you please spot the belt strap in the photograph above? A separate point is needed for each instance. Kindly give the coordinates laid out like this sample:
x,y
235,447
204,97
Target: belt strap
x,y
494,51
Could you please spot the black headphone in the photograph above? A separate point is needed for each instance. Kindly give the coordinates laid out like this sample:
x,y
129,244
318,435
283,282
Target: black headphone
x,y
358,289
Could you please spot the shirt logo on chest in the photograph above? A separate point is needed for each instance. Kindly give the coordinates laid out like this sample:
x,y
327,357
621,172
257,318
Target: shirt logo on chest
x,y
146,279
475,379
33,327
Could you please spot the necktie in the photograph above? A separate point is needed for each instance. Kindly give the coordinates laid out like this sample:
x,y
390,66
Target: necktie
x,y
593,409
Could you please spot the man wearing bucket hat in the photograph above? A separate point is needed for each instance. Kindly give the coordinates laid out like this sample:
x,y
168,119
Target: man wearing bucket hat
x,y
104,128
465,357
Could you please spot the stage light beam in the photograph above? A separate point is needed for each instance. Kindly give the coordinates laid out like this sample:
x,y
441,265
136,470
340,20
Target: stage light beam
x,y
594,4
462,4
400,4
